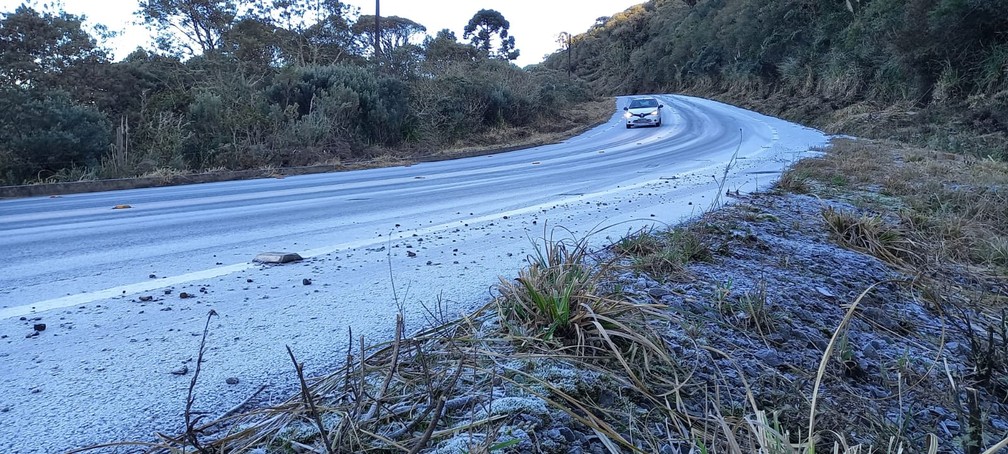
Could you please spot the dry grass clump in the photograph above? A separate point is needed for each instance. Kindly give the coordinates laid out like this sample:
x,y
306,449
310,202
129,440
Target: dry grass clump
x,y
953,205
952,208
405,395
897,121
663,252
757,310
554,305
547,299
795,182
995,251
867,233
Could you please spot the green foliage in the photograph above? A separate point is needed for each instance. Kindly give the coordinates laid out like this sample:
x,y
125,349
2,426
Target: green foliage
x,y
811,61
444,50
256,42
396,32
189,27
353,103
918,50
46,50
483,27
240,84
557,283
328,41
44,131
471,96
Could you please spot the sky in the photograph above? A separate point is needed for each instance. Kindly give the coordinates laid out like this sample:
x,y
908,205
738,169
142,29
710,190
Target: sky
x,y
535,24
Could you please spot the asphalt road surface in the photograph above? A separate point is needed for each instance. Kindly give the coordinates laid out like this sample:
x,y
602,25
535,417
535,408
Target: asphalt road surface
x,y
107,282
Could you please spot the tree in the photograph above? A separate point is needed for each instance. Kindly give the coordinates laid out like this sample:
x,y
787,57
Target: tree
x,y
444,50
329,41
309,31
255,42
296,15
482,28
395,32
189,26
44,49
599,23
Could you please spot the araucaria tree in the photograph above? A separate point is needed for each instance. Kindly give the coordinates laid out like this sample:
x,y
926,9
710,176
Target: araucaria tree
x,y
481,30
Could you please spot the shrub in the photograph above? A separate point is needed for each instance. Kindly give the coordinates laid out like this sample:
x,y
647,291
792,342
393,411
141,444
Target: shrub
x,y
44,131
365,108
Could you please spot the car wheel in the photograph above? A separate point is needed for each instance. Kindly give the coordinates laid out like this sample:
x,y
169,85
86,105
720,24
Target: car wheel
x,y
659,123
628,126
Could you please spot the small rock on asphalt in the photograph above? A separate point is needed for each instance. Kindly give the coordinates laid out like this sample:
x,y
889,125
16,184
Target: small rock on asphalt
x,y
39,327
305,281
231,380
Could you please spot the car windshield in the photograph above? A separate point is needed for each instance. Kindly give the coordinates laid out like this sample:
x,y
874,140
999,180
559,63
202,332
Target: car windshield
x,y
642,103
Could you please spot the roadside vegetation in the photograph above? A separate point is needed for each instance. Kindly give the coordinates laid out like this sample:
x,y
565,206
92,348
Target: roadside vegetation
x,y
241,85
927,72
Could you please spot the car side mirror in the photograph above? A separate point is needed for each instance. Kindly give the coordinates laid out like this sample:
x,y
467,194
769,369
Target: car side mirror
x,y
626,108
660,106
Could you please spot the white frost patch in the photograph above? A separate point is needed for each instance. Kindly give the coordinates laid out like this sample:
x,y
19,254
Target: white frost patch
x,y
512,405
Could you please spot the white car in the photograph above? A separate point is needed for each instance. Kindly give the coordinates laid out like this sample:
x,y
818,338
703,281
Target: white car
x,y
643,112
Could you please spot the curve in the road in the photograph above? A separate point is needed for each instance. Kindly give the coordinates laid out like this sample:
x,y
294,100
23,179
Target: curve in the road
x,y
101,370
73,238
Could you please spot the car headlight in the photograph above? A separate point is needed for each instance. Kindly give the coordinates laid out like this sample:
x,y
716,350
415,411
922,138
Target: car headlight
x,y
627,115
654,113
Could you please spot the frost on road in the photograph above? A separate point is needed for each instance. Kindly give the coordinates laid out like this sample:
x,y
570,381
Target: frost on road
x,y
124,294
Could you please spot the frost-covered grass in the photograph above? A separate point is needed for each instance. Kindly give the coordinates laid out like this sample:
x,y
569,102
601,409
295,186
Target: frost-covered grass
x,y
867,233
663,252
950,207
941,218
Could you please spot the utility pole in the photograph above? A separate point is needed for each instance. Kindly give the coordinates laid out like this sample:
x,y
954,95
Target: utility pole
x,y
377,30
569,70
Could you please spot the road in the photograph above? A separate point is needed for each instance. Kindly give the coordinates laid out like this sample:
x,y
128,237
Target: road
x,y
440,233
